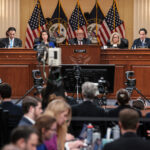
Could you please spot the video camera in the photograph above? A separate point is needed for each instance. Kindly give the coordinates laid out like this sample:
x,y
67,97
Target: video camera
x,y
37,79
102,85
130,83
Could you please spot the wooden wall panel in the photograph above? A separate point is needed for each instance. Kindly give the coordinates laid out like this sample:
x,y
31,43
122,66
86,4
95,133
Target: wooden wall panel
x,y
19,81
142,74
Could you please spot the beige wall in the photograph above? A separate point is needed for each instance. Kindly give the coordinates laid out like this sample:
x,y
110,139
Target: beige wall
x,y
48,6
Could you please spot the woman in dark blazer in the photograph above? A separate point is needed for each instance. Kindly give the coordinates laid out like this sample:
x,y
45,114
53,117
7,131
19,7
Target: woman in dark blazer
x,y
117,42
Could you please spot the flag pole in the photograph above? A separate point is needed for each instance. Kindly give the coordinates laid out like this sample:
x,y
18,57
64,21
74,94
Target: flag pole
x,y
114,15
78,12
39,5
96,18
59,17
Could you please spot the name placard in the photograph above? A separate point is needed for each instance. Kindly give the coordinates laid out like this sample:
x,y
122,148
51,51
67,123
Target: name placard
x,y
79,50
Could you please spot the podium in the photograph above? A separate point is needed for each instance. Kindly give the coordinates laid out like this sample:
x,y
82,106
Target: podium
x,y
80,54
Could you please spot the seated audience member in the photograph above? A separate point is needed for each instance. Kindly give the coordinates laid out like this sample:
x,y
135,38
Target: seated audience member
x,y
123,99
32,109
11,41
80,40
7,104
88,108
62,111
44,40
25,138
116,41
142,41
46,127
128,122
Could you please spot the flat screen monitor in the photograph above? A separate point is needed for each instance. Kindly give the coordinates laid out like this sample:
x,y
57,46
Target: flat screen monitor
x,y
78,74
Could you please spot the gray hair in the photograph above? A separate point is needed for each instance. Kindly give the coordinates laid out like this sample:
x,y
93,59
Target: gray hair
x,y
89,90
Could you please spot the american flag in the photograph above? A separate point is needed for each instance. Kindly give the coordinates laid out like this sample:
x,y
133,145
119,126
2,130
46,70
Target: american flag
x,y
76,18
35,25
111,23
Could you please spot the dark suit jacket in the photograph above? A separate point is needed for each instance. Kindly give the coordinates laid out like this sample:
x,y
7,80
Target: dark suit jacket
x,y
75,41
85,109
115,112
12,108
2,45
138,44
124,44
17,42
25,122
129,141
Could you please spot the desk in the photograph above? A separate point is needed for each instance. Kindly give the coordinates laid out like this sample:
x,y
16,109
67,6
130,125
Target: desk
x,y
16,67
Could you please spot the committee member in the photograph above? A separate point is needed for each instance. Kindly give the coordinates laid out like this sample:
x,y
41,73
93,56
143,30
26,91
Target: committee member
x,y
11,41
116,41
128,122
44,40
142,41
79,40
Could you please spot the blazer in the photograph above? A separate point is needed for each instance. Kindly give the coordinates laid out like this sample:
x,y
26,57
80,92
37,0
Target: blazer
x,y
12,108
124,44
85,109
138,44
128,141
25,122
75,41
17,42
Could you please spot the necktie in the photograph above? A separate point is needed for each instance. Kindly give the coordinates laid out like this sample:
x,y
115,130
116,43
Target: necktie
x,y
11,43
142,43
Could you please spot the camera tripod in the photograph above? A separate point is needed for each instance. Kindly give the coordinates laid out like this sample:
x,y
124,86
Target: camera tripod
x,y
37,87
130,90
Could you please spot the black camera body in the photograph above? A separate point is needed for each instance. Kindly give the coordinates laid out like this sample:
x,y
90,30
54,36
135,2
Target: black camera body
x,y
102,86
130,82
37,79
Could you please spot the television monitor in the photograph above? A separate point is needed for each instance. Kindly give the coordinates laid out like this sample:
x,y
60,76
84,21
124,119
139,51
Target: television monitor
x,y
74,74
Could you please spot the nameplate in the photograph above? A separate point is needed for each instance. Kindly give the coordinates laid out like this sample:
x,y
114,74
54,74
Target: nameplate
x,y
79,50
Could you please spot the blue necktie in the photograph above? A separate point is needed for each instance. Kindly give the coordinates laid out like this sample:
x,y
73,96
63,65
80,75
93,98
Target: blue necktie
x,y
11,43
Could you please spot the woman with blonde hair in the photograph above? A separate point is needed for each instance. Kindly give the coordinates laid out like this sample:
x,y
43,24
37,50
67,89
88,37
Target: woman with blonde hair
x,y
62,112
116,41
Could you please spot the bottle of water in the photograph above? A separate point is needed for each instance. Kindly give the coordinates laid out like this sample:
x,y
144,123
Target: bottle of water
x,y
89,134
116,132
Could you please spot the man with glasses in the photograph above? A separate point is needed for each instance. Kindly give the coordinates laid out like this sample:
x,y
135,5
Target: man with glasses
x,y
79,40
11,41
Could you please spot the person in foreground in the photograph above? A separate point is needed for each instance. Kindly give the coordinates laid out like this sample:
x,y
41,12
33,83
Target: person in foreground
x,y
25,138
117,42
11,41
142,41
129,123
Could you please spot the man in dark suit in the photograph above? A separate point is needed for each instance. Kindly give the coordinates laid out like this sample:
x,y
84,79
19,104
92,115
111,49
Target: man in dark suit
x,y
11,41
128,122
143,41
80,40
32,108
87,108
7,104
